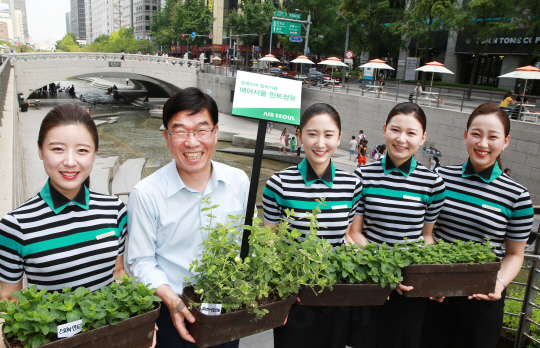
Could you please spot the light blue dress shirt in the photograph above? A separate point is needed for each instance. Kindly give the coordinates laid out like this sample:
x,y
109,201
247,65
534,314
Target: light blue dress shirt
x,y
165,219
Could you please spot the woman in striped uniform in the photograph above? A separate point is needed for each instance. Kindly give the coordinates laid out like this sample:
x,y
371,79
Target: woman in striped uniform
x,y
66,235
400,199
481,203
297,188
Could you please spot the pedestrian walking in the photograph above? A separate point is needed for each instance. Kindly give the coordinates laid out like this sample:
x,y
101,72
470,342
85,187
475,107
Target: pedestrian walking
x,y
298,187
353,144
484,204
269,126
362,153
416,92
127,81
293,145
400,199
283,140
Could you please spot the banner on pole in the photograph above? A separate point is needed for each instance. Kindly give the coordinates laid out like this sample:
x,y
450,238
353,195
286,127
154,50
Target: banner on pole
x,y
267,98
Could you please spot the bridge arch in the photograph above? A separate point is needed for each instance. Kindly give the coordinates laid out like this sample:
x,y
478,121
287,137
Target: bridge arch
x,y
34,70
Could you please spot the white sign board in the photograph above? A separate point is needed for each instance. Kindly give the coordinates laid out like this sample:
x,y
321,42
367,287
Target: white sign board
x,y
211,308
267,98
368,73
69,329
410,67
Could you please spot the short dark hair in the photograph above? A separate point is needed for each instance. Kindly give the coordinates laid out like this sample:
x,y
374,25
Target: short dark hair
x,y
320,109
353,137
506,170
191,99
408,109
361,131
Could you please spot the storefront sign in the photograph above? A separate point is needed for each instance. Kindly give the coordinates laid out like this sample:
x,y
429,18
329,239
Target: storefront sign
x,y
267,98
368,73
517,42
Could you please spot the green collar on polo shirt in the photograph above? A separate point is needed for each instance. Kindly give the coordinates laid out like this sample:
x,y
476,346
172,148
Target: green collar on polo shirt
x,y
488,175
309,175
406,168
57,201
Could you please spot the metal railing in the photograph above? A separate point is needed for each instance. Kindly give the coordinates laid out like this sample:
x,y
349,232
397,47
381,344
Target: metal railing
x,y
522,333
110,57
5,69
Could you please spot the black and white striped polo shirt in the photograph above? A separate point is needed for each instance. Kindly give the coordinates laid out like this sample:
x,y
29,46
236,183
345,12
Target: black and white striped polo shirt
x,y
483,205
397,201
298,187
60,242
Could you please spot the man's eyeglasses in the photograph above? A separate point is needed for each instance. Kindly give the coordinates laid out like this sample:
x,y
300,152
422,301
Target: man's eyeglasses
x,y
200,134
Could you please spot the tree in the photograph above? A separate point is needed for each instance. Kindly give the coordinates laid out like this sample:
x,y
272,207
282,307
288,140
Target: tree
x,y
370,24
482,21
423,20
528,17
68,44
162,30
193,16
327,32
251,17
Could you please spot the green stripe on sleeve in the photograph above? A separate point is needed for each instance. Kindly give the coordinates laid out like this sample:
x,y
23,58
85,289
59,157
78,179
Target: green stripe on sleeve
x,y
307,205
529,211
10,243
437,197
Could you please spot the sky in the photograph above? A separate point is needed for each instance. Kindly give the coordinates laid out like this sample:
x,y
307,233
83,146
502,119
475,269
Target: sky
x,y
47,19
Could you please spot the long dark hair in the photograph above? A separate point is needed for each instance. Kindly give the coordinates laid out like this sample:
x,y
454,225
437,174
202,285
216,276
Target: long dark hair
x,y
488,109
66,115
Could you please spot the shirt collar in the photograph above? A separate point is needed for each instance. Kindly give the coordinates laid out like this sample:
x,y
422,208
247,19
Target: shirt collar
x,y
487,175
406,168
175,183
57,201
309,175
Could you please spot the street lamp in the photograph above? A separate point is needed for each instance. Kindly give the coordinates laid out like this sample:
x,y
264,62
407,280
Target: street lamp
x,y
346,37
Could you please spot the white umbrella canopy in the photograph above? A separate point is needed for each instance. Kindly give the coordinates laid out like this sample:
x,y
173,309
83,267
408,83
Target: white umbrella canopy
x,y
377,64
302,60
525,72
216,58
434,67
269,58
333,61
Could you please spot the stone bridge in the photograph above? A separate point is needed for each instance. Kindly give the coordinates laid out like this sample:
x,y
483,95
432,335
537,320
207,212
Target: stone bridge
x,y
35,70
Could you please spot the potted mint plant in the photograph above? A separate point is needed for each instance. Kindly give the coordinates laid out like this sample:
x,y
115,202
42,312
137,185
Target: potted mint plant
x,y
119,315
449,269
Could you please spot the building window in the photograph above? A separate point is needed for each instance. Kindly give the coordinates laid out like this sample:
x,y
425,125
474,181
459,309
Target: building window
x,y
147,18
154,8
147,7
147,27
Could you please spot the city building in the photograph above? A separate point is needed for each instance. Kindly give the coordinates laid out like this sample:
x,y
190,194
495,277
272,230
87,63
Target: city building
x,y
78,20
5,17
20,5
18,27
88,20
68,22
143,12
106,17
127,13
4,31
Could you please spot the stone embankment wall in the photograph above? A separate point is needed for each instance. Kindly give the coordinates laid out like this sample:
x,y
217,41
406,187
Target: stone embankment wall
x,y
12,175
444,128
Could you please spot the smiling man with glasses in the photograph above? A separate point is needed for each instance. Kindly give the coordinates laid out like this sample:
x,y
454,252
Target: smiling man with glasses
x,y
164,209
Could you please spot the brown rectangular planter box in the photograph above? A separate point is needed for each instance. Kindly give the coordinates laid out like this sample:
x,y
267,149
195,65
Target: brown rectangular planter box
x,y
459,279
211,330
345,295
136,332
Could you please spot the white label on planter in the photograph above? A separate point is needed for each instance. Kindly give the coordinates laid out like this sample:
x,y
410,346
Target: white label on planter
x,y
70,329
211,309
491,208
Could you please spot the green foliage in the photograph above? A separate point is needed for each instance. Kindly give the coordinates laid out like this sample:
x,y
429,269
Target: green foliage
x,y
68,44
277,265
439,253
16,48
250,18
33,320
512,306
372,264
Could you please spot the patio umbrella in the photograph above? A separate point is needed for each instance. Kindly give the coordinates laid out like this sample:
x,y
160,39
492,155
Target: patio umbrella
x,y
432,151
333,61
269,58
434,67
302,60
525,72
377,64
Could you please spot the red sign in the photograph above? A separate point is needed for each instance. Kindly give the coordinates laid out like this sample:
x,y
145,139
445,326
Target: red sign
x,y
349,54
211,36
